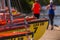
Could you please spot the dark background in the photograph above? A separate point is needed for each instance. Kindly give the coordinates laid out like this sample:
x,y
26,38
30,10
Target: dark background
x,y
25,5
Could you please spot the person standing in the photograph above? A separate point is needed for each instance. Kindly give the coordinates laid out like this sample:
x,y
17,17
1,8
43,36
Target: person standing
x,y
36,9
51,7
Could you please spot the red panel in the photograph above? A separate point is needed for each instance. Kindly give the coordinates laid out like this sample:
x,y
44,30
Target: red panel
x,y
17,20
11,34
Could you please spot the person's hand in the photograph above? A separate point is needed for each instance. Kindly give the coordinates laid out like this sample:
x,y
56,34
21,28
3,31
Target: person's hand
x,y
54,7
47,7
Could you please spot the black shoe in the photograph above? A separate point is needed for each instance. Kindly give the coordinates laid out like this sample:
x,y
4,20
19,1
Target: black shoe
x,y
56,25
52,28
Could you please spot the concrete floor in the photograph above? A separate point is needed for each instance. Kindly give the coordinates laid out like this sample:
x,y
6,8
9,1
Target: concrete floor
x,y
51,34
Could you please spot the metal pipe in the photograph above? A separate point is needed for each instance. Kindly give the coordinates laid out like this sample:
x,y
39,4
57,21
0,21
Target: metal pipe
x,y
0,4
20,5
3,4
3,7
10,11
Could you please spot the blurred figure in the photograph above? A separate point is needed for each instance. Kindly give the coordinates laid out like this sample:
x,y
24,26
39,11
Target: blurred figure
x,y
36,9
51,7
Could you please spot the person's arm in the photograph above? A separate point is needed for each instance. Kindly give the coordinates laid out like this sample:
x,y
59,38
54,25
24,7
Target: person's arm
x,y
32,7
47,7
40,7
54,7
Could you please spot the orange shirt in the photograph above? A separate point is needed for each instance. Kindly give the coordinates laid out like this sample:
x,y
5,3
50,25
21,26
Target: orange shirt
x,y
36,8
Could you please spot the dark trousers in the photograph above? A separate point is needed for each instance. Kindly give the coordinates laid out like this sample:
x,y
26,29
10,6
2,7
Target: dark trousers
x,y
51,18
37,15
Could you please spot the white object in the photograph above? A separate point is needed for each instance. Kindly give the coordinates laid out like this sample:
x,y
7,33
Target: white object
x,y
36,0
51,1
